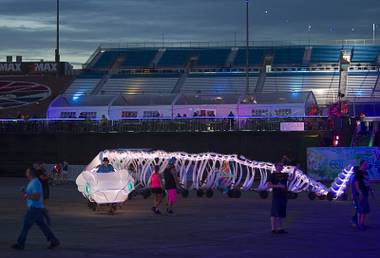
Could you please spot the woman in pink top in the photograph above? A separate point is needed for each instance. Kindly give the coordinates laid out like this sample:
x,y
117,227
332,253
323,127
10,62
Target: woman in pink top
x,y
156,189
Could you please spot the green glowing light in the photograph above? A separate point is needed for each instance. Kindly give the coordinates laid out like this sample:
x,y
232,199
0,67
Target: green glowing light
x,y
87,188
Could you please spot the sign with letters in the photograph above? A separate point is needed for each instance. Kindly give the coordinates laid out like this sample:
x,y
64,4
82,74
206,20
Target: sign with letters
x,y
325,163
292,126
34,68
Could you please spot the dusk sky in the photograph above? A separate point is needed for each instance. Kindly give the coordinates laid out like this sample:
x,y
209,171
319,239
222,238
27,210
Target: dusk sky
x,y
27,27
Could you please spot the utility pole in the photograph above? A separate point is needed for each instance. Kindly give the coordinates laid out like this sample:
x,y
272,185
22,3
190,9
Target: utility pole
x,y
374,33
57,56
247,48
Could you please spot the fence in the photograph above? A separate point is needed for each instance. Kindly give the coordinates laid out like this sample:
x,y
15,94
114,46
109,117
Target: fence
x,y
208,124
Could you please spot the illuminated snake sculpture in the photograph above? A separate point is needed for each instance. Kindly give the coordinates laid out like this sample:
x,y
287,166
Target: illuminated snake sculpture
x,y
203,172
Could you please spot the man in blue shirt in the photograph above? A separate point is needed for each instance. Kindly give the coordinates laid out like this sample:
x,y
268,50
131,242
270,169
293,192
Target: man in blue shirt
x,y
35,214
106,167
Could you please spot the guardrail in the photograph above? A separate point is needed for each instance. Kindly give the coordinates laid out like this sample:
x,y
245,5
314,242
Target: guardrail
x,y
208,124
210,44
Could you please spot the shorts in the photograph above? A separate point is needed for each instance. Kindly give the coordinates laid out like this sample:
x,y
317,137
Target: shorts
x,y
172,196
157,190
362,206
278,209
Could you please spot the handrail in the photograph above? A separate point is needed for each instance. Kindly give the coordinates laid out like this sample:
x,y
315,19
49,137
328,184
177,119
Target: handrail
x,y
212,44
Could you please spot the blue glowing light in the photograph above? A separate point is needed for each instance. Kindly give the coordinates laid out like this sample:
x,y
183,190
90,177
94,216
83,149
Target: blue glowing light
x,y
77,96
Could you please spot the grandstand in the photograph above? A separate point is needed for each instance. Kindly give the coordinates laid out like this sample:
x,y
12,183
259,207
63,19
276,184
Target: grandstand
x,y
351,68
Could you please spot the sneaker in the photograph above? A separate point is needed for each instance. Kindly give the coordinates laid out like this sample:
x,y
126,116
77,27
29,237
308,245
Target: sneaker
x,y
274,231
157,211
54,244
282,231
154,209
18,247
169,211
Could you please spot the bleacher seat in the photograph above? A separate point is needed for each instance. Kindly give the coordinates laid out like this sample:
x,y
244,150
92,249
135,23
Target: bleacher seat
x,y
138,58
121,84
324,85
176,57
82,86
255,56
325,54
288,56
361,84
92,74
212,57
106,59
365,54
218,84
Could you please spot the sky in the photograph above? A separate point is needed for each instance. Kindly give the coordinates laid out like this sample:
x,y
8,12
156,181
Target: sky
x,y
27,27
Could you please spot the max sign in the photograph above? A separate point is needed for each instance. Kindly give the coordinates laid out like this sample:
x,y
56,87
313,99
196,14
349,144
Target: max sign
x,y
45,67
10,67
30,67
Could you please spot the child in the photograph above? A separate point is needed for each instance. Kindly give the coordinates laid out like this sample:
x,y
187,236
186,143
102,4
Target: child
x,y
156,189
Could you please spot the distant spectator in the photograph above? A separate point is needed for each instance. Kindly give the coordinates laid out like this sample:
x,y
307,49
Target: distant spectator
x,y
363,125
231,120
178,115
184,115
104,123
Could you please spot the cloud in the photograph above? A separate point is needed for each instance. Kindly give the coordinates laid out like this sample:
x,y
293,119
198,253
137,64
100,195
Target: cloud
x,y
28,27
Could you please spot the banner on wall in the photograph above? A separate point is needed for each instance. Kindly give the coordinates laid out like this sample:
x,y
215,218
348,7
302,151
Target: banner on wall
x,y
326,163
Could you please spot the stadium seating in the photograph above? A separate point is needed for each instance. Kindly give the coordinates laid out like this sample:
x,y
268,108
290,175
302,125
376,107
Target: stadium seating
x,y
361,84
138,58
324,85
212,57
255,56
288,74
218,84
106,59
325,54
82,86
120,84
177,57
365,54
288,56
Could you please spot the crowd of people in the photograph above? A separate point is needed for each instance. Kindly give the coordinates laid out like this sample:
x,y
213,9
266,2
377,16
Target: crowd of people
x,y
37,193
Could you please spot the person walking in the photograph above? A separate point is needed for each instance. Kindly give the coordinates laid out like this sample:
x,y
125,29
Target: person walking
x,y
360,192
277,181
171,185
34,215
156,189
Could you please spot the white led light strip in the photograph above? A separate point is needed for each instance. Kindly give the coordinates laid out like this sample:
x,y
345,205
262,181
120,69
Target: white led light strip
x,y
202,171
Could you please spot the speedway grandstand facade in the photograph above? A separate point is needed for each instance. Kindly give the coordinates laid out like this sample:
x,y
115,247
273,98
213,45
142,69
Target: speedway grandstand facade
x,y
210,79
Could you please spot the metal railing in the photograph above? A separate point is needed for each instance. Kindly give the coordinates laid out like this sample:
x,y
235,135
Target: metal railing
x,y
212,44
158,125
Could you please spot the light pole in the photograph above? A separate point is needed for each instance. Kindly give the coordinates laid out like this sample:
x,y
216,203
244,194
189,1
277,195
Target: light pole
x,y
247,48
57,56
374,33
